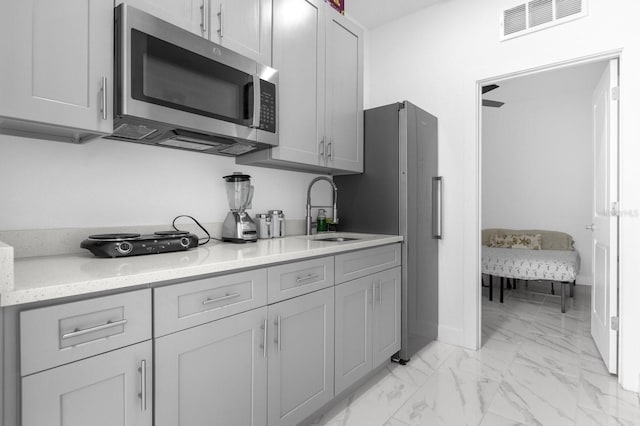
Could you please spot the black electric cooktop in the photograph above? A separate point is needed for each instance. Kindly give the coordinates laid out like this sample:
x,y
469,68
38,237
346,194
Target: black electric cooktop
x,y
120,245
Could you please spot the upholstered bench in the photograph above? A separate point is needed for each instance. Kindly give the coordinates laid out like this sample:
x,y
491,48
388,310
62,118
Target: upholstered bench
x,y
552,257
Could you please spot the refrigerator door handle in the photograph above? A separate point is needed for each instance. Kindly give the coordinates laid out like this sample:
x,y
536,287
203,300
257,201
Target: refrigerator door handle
x,y
436,205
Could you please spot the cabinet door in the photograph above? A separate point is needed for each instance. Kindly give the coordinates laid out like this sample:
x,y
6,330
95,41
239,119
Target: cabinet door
x,y
354,360
298,54
300,356
57,63
213,374
386,315
243,26
114,389
344,94
187,14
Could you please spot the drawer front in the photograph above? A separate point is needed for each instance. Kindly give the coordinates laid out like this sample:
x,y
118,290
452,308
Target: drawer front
x,y
350,266
60,334
193,303
295,279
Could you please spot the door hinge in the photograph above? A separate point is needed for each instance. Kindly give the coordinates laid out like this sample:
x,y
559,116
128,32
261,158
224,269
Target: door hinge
x,y
615,323
615,93
615,209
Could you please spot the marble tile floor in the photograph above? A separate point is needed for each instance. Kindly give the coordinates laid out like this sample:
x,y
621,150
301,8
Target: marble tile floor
x,y
536,367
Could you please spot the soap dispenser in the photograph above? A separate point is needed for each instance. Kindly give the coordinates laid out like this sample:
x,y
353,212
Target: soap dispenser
x,y
321,221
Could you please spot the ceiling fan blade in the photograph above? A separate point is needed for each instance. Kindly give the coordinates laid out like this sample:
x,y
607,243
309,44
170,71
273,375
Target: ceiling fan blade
x,y
494,104
489,88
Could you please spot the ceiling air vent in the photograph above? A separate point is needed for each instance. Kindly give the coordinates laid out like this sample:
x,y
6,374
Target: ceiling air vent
x,y
539,14
515,19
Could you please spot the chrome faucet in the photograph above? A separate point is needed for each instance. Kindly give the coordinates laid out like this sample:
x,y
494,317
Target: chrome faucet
x,y
309,206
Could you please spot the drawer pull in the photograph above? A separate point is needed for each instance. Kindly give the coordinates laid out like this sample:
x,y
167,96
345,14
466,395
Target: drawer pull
x,y
264,339
143,385
307,277
220,299
77,332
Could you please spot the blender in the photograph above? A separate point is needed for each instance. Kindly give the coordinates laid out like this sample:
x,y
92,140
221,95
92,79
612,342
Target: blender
x,y
238,227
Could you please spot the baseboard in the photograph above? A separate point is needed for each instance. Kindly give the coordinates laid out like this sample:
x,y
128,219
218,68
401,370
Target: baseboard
x,y
451,335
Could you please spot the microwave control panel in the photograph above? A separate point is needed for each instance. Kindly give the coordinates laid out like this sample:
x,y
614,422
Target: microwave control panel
x,y
267,106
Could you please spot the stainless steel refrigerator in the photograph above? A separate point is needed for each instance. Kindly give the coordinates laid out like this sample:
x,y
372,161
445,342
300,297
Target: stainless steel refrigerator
x,y
400,193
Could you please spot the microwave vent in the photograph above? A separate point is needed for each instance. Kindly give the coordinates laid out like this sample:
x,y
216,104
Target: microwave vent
x,y
238,149
536,15
179,143
133,131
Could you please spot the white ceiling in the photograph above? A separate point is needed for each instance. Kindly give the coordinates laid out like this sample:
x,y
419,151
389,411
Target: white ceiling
x,y
372,13
575,78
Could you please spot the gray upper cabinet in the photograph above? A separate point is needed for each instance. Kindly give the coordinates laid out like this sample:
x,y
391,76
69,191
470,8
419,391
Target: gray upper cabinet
x,y
214,374
344,119
319,55
112,389
243,26
187,14
301,354
57,69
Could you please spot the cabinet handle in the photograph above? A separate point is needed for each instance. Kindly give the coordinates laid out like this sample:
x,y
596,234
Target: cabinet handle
x,y
278,344
264,338
220,31
256,101
380,292
103,107
330,150
436,203
203,13
79,332
322,148
143,384
307,277
220,299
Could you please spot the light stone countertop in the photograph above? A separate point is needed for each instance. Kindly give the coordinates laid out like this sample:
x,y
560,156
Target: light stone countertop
x,y
33,279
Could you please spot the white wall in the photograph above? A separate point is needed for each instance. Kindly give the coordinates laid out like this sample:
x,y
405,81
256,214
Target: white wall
x,y
104,183
435,58
537,170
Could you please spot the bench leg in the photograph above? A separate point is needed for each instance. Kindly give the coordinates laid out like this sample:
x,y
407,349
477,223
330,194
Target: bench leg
x,y
571,286
490,287
501,289
562,306
553,292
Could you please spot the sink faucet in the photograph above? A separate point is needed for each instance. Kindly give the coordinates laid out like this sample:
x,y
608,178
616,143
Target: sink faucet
x,y
309,206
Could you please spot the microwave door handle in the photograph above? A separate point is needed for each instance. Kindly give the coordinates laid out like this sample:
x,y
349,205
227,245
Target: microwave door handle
x,y
256,101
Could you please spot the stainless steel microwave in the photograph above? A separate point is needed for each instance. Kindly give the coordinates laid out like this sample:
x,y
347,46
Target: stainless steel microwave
x,y
179,90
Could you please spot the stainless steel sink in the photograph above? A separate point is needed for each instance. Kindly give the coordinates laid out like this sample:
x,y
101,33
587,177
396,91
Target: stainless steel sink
x,y
336,239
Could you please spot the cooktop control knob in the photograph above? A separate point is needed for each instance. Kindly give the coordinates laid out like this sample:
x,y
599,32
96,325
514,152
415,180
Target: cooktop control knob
x,y
124,247
184,242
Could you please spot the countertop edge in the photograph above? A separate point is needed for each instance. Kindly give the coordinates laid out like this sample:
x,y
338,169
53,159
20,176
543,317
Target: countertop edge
x,y
6,270
11,296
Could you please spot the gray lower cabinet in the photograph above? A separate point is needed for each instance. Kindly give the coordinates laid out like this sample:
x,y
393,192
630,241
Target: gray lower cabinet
x,y
386,315
367,325
112,389
301,355
214,374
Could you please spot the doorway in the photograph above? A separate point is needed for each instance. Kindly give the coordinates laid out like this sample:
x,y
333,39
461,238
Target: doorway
x,y
549,162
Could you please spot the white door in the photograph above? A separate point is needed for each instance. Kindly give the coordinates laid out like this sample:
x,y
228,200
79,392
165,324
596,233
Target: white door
x,y
604,293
